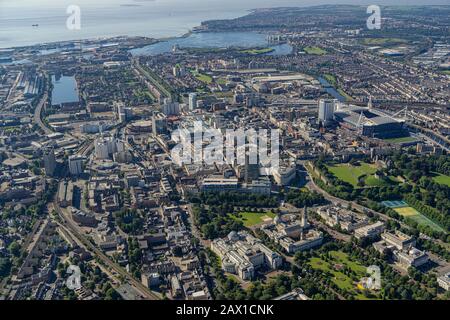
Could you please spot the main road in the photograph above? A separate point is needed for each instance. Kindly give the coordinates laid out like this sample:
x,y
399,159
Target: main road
x,y
38,114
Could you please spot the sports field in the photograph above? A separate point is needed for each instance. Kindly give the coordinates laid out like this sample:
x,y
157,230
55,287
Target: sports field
x,y
402,208
400,140
383,41
250,219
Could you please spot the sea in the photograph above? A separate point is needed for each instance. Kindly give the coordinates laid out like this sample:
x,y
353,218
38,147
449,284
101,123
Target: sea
x,y
30,22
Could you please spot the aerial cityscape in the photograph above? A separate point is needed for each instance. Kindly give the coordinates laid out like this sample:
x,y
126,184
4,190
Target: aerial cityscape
x,y
279,153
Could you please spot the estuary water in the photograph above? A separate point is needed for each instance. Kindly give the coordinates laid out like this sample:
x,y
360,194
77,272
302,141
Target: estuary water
x,y
30,22
214,40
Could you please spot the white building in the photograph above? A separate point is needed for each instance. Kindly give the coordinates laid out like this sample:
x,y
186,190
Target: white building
x,y
283,176
347,220
326,110
444,281
105,147
370,231
242,254
192,101
293,235
411,258
219,184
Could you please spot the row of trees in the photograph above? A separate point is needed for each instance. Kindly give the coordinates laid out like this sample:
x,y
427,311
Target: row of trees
x,y
215,222
304,198
434,214
235,199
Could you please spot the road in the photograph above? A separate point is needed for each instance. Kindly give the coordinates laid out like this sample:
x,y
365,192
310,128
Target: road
x,y
74,229
444,266
38,113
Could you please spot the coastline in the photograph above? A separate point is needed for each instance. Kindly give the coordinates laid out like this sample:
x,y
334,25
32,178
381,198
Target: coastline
x,y
62,43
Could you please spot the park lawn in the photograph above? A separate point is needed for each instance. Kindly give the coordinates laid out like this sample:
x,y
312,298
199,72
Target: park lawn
x,y
371,181
342,257
257,51
250,219
447,72
331,79
221,81
413,214
383,41
202,77
441,179
340,279
349,173
314,50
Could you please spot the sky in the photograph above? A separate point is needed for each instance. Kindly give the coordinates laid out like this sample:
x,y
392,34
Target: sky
x,y
212,3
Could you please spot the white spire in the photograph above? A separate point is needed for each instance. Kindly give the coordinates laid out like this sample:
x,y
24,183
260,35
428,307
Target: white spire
x,y
369,104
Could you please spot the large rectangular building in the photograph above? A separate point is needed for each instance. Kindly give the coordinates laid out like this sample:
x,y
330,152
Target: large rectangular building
x,y
242,254
370,122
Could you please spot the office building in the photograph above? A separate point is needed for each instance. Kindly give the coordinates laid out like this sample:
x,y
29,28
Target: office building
x,y
192,101
370,231
49,161
170,108
219,184
411,258
326,110
76,165
159,124
398,240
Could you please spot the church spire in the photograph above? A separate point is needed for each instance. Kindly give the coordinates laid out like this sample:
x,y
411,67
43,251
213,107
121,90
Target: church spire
x,y
305,217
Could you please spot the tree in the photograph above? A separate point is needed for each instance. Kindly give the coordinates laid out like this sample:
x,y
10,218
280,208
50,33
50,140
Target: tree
x,y
5,267
14,249
112,294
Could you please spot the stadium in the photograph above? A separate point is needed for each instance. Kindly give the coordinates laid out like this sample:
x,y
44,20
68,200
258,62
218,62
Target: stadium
x,y
370,123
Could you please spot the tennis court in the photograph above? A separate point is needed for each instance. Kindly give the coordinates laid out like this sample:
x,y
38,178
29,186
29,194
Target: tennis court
x,y
395,203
